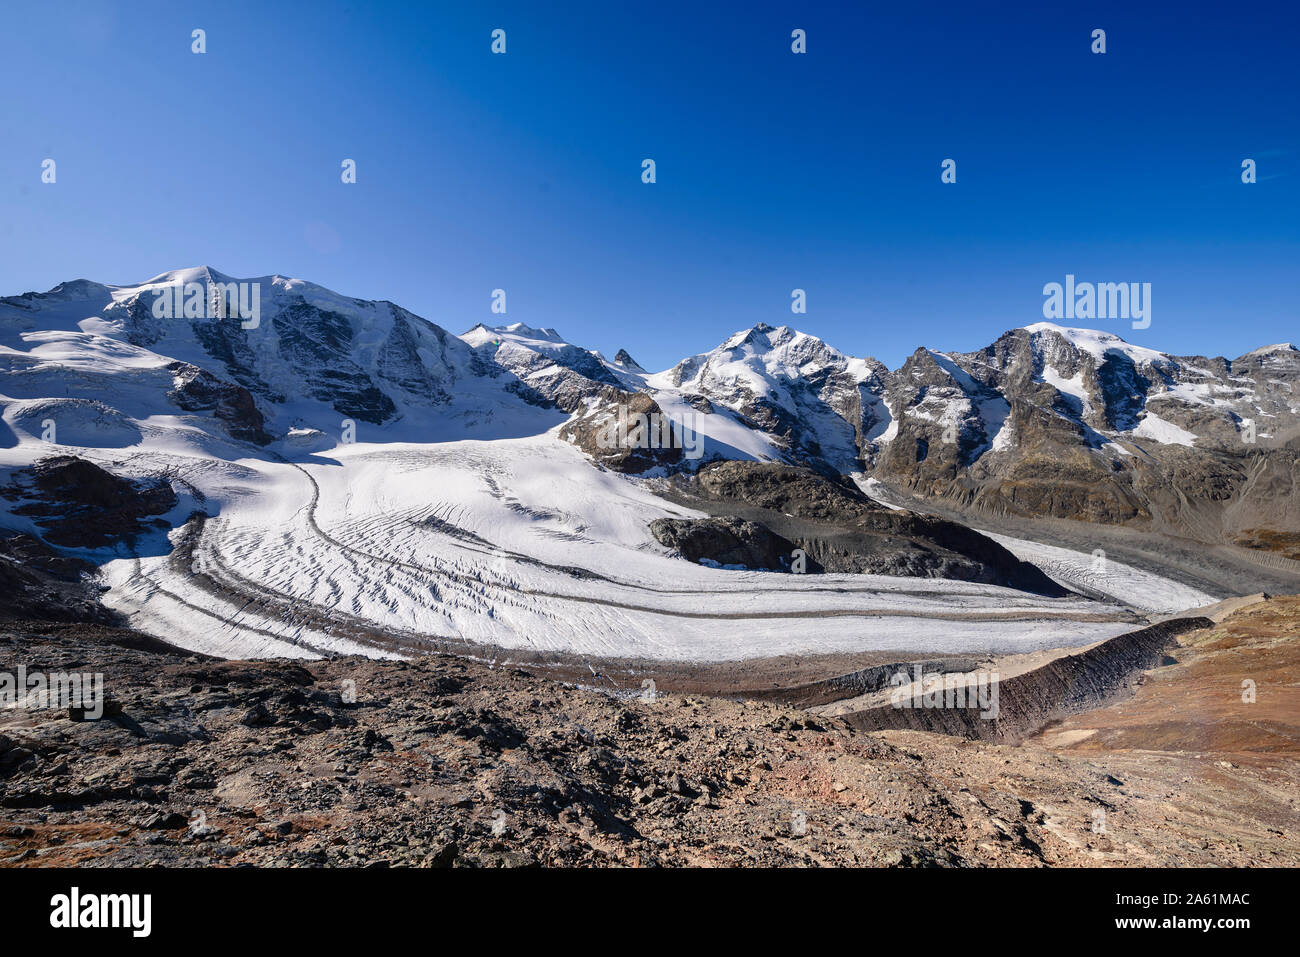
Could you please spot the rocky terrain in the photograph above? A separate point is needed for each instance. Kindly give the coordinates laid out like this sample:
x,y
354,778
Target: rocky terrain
x,y
727,542
763,511
444,761
1027,702
596,430
77,504
41,583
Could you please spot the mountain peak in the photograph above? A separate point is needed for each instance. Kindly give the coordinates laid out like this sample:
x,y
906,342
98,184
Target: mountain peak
x,y
187,275
623,359
77,289
1098,342
1283,347
529,332
1072,332
761,335
521,334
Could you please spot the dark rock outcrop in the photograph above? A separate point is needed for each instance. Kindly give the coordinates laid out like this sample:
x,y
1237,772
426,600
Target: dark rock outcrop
x,y
80,505
726,541
841,530
38,583
784,488
625,432
197,390
624,359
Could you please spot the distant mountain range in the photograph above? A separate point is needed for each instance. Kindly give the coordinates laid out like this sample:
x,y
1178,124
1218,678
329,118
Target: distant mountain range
x,y
1045,421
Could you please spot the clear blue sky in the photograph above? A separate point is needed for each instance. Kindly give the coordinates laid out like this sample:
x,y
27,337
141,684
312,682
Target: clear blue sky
x,y
775,170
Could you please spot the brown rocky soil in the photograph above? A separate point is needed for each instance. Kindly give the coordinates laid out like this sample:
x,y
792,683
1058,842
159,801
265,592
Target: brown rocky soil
x,y
1197,701
1061,686
446,761
1286,544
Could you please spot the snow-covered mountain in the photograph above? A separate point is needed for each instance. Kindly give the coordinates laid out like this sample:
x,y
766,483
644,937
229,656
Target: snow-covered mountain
x,y
1136,393
311,359
545,363
815,402
1045,420
1076,423
347,474
314,357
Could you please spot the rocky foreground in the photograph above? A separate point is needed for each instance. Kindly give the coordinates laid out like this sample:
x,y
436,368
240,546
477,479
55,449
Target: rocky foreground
x,y
444,761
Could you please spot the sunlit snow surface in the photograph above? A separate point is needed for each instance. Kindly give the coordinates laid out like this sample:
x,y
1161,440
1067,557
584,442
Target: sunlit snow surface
x,y
521,544
418,532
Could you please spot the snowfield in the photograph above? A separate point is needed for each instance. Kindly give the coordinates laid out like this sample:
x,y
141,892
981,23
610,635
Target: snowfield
x,y
522,544
458,519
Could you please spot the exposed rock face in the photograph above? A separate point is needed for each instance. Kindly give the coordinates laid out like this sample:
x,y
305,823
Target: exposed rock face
x,y
320,340
724,541
80,505
623,359
38,583
624,431
842,530
794,491
199,391
1068,423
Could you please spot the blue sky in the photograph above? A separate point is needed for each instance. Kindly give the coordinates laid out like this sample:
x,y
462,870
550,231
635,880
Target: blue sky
x,y
775,170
